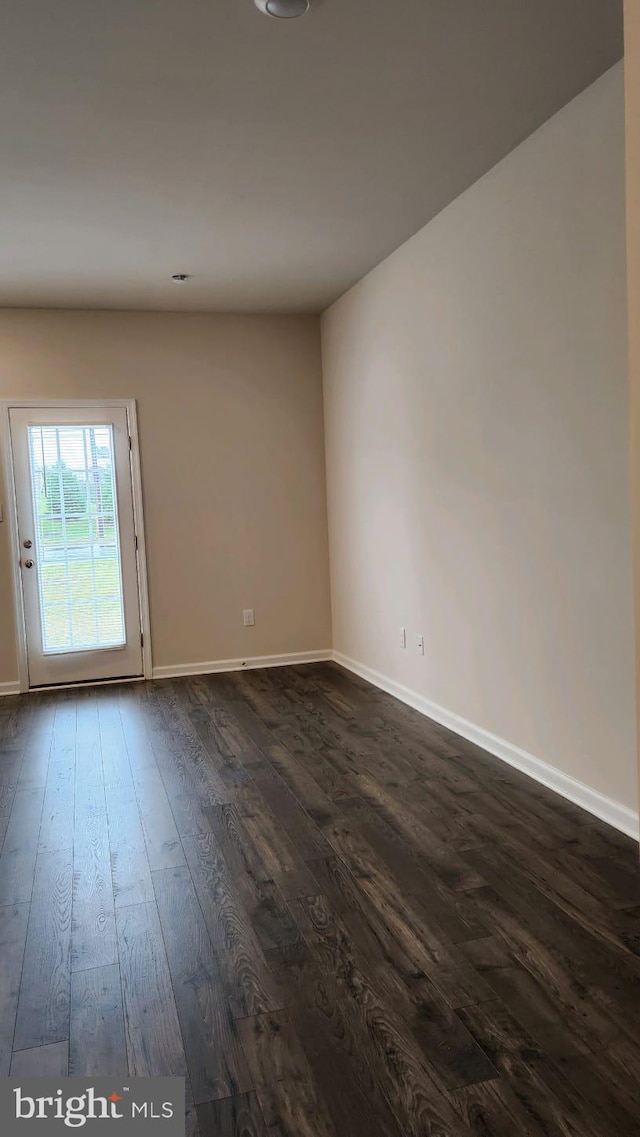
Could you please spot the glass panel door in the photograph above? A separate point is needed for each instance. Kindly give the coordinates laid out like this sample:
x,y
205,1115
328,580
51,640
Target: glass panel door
x,y
77,543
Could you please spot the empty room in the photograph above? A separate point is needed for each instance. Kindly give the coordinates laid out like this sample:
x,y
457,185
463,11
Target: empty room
x,y
320,568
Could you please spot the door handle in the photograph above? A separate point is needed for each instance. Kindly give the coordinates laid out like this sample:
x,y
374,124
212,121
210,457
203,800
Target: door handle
x,y
28,564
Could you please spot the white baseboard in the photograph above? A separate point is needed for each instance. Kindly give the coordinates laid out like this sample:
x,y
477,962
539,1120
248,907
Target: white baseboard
x,y
211,666
9,688
619,816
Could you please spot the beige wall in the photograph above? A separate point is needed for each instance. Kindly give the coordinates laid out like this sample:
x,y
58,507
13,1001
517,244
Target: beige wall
x,y
632,118
477,454
230,416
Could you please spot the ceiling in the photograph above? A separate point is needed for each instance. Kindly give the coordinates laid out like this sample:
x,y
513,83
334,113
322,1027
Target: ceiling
x,y
274,161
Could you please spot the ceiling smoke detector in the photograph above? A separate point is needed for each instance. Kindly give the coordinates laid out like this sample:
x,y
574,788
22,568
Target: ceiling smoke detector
x,y
283,9
179,277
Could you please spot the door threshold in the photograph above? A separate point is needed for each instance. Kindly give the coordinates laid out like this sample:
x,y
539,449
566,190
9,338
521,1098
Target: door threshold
x,y
44,687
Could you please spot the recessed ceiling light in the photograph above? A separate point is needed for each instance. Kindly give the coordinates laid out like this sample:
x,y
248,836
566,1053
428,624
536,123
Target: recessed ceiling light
x,y
179,277
283,9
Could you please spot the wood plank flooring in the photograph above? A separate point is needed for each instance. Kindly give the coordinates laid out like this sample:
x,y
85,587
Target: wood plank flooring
x,y
333,917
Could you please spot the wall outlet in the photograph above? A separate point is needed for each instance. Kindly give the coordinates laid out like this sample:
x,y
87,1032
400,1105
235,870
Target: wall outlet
x,y
248,617
403,637
420,644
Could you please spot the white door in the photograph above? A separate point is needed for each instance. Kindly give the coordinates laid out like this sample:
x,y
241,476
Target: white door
x,y
72,473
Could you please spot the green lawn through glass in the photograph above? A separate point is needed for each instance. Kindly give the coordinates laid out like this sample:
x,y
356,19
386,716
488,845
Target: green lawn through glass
x,y
58,613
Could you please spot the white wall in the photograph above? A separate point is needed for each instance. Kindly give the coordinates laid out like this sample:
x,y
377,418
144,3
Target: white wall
x,y
231,434
632,140
476,435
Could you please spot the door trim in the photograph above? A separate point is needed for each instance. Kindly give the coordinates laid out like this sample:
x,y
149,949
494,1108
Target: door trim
x,y
12,517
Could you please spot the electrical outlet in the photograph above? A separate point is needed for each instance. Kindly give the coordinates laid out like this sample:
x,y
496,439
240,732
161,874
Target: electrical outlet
x,y
403,637
420,644
248,617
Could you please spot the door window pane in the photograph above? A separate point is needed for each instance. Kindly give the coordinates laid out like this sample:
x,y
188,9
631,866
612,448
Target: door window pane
x,y
77,544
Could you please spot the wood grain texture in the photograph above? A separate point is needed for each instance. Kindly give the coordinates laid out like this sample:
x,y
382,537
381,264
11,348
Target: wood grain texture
x,y
216,1063
154,1041
43,1005
414,1086
333,917
20,847
336,1044
269,914
16,731
97,1044
130,872
164,850
14,920
93,936
34,767
290,1101
57,821
247,980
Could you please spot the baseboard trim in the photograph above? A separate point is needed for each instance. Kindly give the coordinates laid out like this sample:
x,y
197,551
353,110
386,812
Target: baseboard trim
x,y
9,689
211,666
615,814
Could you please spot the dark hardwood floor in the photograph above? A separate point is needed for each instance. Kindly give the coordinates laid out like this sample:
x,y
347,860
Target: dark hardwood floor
x,y
332,916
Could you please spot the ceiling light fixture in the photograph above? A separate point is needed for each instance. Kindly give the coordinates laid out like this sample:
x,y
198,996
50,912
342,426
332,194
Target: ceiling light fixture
x,y
179,277
283,9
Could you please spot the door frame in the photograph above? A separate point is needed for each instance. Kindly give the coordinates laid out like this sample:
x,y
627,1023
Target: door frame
x,y
12,517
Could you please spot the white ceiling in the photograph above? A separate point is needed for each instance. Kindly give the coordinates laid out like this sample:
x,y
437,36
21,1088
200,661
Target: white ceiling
x,y
275,161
